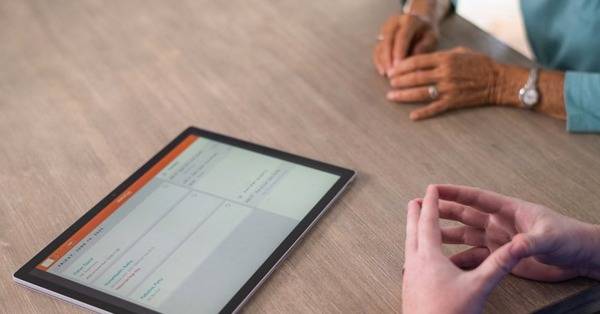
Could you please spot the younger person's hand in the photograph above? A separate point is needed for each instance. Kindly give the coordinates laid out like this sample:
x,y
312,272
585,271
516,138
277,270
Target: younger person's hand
x,y
431,282
555,247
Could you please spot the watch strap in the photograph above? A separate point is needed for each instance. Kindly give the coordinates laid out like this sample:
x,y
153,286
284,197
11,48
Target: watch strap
x,y
533,78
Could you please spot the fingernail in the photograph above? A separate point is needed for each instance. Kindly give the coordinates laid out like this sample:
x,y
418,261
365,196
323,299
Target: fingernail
x,y
390,95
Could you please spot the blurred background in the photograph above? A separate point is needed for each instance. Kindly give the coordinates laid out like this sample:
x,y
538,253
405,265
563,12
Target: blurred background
x,y
502,19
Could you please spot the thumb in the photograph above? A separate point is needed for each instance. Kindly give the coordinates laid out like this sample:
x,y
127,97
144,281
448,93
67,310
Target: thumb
x,y
527,244
499,264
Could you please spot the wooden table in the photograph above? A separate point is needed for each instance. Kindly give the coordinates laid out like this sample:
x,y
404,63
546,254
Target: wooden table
x,y
89,90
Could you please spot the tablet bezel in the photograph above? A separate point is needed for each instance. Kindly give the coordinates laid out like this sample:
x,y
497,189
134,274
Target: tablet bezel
x,y
94,299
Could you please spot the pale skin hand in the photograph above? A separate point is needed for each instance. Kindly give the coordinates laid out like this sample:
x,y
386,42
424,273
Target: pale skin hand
x,y
510,235
432,283
554,247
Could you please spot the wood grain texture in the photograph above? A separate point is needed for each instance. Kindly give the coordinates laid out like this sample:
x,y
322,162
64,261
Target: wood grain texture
x,y
90,89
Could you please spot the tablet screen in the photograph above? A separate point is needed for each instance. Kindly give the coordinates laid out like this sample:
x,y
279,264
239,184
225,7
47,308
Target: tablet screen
x,y
188,233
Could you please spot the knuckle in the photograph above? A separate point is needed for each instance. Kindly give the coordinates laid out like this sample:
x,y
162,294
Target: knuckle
x,y
390,25
403,18
469,239
451,61
460,213
449,87
400,33
412,63
438,73
445,70
523,241
469,236
443,88
418,77
446,58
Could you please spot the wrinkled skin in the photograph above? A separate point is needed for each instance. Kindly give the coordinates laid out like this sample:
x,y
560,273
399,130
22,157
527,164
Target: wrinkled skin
x,y
463,78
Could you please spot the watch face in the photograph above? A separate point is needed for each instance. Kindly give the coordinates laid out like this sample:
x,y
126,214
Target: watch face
x,y
530,97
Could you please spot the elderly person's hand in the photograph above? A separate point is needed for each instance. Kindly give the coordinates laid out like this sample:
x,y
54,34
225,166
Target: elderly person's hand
x,y
555,247
446,80
431,282
403,35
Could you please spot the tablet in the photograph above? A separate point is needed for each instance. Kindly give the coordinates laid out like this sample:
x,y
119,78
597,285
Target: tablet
x,y
196,229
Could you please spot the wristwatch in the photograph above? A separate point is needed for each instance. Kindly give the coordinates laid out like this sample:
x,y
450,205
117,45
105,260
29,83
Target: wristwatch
x,y
529,94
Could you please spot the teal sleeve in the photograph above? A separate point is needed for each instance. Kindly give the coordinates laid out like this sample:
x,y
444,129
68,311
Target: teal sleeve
x,y
582,101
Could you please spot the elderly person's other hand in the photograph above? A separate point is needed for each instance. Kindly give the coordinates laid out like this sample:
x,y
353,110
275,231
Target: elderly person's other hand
x,y
401,36
459,78
554,247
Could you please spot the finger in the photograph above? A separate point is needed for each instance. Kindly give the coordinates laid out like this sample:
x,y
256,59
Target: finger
x,y
464,214
426,44
462,49
470,258
404,37
411,95
414,63
388,31
529,244
486,201
531,269
429,111
412,221
377,61
412,79
496,266
429,228
463,235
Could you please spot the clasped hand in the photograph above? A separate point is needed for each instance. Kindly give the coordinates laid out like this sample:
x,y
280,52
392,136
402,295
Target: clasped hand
x,y
462,78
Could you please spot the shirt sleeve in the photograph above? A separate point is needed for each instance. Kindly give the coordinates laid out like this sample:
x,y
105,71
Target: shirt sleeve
x,y
582,102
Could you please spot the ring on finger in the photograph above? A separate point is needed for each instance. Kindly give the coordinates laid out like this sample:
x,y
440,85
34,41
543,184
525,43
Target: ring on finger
x,y
434,93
